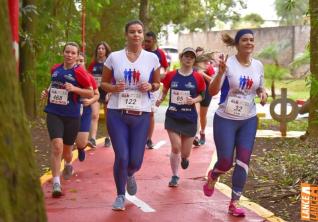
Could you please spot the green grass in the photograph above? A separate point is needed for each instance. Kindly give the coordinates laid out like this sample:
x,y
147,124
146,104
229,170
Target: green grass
x,y
295,125
296,88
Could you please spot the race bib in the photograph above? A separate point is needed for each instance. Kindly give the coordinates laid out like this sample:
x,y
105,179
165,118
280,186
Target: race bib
x,y
98,80
58,96
238,106
179,97
130,100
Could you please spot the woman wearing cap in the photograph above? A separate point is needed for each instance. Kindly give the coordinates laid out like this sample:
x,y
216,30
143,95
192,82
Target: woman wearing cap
x,y
240,79
187,87
129,74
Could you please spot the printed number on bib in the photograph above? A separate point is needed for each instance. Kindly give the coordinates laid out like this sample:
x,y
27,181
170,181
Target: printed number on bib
x,y
237,106
130,99
98,80
179,97
58,96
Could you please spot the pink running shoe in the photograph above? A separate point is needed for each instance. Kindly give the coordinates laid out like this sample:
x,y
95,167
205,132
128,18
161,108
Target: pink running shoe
x,y
208,187
236,211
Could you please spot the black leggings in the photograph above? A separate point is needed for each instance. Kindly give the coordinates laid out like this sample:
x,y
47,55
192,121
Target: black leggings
x,y
63,127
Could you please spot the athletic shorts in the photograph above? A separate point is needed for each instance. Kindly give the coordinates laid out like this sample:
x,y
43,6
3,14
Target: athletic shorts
x,y
86,119
63,127
182,127
207,99
102,95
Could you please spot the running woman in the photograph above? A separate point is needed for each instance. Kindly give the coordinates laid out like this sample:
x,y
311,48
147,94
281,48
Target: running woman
x,y
204,67
240,79
150,44
86,117
102,51
69,82
130,75
187,87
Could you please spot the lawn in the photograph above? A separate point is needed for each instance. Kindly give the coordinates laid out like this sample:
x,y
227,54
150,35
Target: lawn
x,y
296,88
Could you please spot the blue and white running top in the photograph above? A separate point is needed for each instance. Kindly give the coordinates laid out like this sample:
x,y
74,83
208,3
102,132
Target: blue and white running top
x,y
133,73
239,89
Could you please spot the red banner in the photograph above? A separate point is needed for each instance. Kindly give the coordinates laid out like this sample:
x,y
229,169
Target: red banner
x,y
14,21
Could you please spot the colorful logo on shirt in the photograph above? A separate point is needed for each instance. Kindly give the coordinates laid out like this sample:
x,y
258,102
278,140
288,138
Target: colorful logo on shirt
x,y
174,84
69,77
189,85
55,73
132,77
246,82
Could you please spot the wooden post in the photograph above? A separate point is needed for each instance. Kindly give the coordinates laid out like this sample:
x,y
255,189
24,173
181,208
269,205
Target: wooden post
x,y
283,118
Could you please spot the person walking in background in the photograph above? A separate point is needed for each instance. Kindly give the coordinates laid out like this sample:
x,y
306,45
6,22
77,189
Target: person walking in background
x,y
69,82
187,87
130,75
102,51
204,67
86,117
240,79
150,44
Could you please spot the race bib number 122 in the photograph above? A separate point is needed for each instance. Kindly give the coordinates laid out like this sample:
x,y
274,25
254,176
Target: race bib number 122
x,y
130,99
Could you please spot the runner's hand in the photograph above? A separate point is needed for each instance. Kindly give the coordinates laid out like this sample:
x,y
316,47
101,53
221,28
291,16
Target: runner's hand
x,y
120,86
145,87
69,87
86,102
44,94
263,96
190,101
222,64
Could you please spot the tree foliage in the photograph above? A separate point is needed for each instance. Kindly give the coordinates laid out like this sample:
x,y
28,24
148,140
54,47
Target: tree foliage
x,y
252,20
59,21
275,71
292,12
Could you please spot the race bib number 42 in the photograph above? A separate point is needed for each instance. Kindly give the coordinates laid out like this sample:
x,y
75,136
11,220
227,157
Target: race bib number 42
x,y
58,96
130,99
237,106
179,97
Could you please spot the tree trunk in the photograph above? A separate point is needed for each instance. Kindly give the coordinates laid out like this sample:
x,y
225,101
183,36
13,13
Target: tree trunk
x,y
273,90
313,109
21,197
143,14
27,61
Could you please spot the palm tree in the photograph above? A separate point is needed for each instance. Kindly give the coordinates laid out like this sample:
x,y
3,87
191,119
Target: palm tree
x,y
272,52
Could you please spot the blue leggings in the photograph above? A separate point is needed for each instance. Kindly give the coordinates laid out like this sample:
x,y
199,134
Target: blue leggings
x,y
128,134
228,135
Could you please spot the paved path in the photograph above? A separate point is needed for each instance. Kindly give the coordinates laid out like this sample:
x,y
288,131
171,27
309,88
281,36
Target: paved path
x,y
91,191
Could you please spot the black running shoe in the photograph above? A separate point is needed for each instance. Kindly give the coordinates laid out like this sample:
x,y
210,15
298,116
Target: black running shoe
x,y
149,144
107,142
196,141
184,163
81,154
92,143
